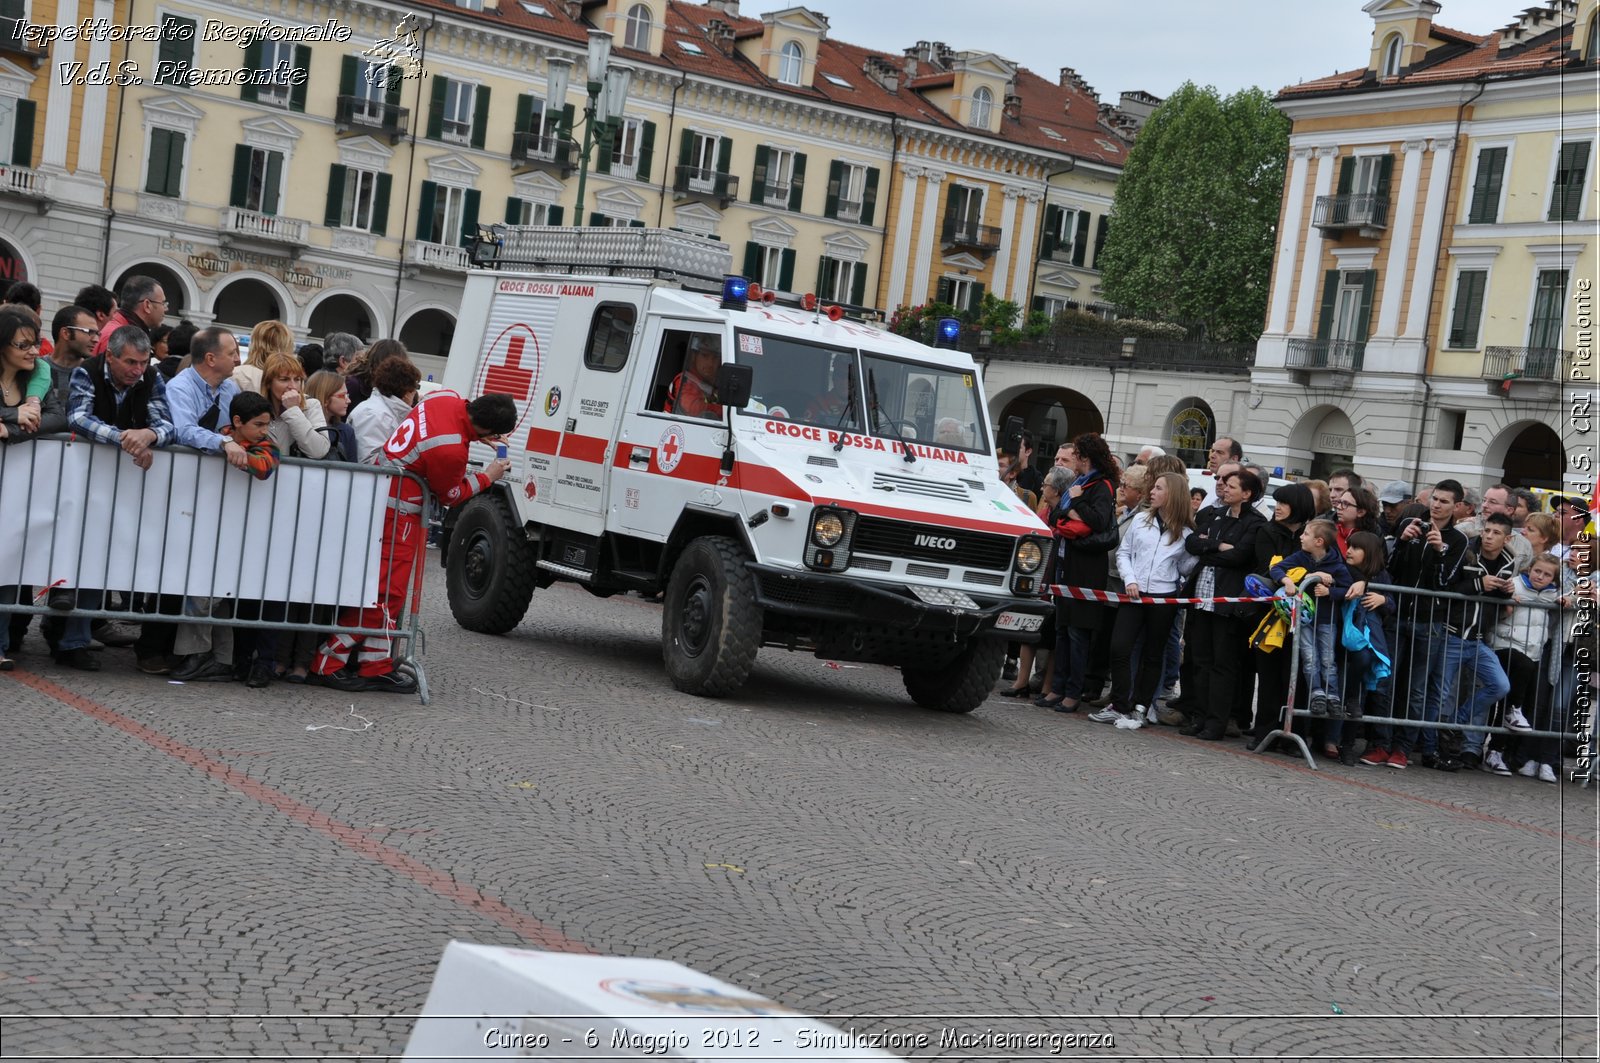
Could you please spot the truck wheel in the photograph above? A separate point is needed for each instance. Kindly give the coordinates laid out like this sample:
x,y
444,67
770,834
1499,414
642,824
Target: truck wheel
x,y
490,572
710,623
963,684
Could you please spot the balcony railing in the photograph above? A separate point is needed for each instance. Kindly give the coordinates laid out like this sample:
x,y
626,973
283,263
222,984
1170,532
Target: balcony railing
x,y
268,227
967,234
1326,356
849,210
21,181
537,149
1533,364
360,112
1365,211
13,41
446,257
1165,355
712,184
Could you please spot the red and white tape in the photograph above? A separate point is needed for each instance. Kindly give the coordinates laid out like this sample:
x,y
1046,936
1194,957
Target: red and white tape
x,y
1088,595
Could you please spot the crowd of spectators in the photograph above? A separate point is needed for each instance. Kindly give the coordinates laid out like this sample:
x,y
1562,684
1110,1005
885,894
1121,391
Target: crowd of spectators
x,y
1436,606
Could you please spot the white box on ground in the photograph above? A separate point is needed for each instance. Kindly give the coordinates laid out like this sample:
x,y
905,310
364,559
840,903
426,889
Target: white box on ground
x,y
496,1003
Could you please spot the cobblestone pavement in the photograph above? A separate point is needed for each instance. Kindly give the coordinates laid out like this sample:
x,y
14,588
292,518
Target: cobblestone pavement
x,y
196,851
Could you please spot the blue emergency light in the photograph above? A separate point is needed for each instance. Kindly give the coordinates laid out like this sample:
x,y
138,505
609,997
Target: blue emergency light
x,y
948,332
735,293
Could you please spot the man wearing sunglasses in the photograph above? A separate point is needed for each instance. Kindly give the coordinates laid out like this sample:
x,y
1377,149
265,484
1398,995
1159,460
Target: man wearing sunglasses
x,y
142,303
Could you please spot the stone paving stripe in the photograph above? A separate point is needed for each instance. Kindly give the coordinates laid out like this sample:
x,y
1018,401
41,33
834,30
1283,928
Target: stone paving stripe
x,y
535,932
1312,773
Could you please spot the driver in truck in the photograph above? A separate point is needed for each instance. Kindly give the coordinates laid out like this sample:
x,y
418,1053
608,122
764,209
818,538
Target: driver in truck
x,y
836,405
693,390
433,442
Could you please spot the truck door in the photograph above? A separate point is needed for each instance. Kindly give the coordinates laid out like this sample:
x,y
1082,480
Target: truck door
x,y
589,410
671,446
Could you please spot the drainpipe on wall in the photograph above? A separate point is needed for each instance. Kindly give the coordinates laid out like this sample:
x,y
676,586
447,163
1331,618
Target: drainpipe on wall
x,y
668,164
116,158
411,167
883,242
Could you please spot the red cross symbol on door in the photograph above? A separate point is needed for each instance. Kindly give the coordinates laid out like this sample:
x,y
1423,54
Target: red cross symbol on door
x,y
510,378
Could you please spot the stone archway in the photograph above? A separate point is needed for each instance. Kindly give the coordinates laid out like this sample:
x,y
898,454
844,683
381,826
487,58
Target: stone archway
x,y
341,312
1529,454
1325,437
245,303
1053,416
171,285
429,332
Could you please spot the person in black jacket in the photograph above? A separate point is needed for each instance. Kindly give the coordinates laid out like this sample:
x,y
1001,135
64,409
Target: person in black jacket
x,y
1083,525
1225,543
1278,538
1470,666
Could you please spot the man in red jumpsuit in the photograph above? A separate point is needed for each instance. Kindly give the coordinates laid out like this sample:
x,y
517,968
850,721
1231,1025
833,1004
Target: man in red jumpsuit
x,y
432,442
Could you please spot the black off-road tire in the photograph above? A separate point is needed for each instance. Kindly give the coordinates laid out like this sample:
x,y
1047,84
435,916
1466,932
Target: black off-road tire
x,y
710,622
489,574
963,684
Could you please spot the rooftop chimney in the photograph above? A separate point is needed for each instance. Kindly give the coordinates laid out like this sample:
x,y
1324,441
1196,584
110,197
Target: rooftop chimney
x,y
727,7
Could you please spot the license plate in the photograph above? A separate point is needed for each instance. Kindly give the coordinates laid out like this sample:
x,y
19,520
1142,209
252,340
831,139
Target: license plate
x,y
1018,622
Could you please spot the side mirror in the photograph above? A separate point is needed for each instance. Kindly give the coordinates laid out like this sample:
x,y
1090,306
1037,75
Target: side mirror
x,y
1011,436
734,383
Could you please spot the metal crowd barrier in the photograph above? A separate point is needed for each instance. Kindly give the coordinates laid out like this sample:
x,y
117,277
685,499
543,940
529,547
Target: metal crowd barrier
x,y
192,540
1431,684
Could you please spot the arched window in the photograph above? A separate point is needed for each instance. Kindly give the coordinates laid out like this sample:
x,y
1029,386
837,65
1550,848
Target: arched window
x,y
1591,41
1393,49
638,34
982,105
791,62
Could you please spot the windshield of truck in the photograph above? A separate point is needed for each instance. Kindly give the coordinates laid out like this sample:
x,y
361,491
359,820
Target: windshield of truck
x,y
807,383
924,404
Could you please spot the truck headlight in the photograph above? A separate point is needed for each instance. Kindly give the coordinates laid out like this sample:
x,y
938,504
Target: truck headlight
x,y
1030,556
829,548
827,528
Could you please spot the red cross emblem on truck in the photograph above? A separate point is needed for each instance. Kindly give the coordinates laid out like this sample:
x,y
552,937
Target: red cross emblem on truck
x,y
512,368
671,450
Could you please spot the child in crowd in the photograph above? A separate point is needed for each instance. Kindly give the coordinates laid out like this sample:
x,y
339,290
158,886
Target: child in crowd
x,y
1364,557
1330,580
250,415
1521,641
1197,498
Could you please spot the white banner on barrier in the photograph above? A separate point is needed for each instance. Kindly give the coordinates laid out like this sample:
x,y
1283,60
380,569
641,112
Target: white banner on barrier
x,y
82,515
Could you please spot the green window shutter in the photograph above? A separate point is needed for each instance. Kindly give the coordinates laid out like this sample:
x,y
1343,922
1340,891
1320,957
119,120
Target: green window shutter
x,y
252,61
297,90
858,286
349,68
1330,296
441,85
596,219
480,117
605,148
636,224
1468,309
394,83
647,150
174,180
1100,232
752,261
822,274
758,176
1385,175
1565,196
797,183
869,196
1364,319
564,144
943,293
786,271
273,182
1347,175
513,210
1038,304
1052,225
469,217
830,203
977,298
554,215
22,136
524,121
425,202
176,49
380,205
724,156
1485,209
686,147
1080,240
333,212
156,173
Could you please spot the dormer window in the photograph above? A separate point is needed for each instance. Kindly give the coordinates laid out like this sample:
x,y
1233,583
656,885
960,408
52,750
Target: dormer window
x,y
790,63
982,106
637,35
1393,50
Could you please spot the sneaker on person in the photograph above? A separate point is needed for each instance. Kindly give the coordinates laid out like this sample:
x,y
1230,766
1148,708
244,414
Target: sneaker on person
x,y
1398,759
1151,716
1375,757
1130,723
1547,774
396,682
1317,703
1496,763
1529,769
1515,721
1109,714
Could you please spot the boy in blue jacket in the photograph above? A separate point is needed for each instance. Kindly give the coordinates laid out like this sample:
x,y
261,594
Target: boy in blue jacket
x,y
1319,556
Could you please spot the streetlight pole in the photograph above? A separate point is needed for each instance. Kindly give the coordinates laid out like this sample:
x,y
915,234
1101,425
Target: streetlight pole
x,y
608,96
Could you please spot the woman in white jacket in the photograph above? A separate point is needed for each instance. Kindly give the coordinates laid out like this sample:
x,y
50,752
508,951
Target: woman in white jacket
x,y
297,419
1153,563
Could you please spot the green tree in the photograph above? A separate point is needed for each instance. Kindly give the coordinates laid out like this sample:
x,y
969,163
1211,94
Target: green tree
x,y
1193,226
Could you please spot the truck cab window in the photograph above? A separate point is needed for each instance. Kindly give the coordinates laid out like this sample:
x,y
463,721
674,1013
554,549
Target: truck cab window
x,y
610,336
686,374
